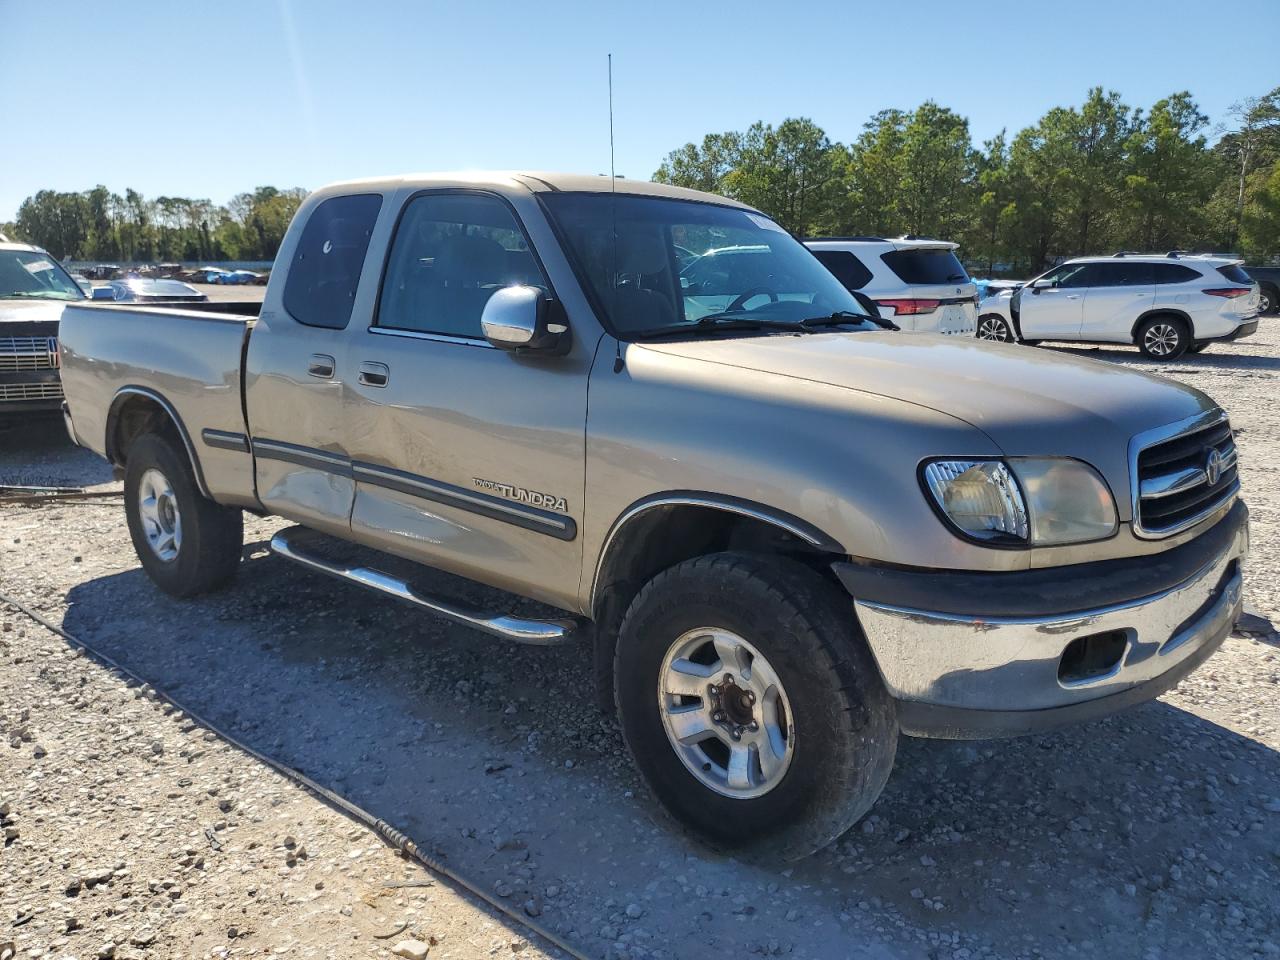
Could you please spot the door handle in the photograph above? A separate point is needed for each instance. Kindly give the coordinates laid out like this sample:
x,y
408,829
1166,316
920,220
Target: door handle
x,y
1073,296
374,374
320,365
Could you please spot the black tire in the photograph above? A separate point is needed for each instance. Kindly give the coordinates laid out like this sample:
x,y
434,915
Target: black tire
x,y
845,727
1163,337
1268,300
993,327
212,536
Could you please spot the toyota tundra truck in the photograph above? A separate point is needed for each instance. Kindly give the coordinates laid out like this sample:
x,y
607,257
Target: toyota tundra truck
x,y
784,533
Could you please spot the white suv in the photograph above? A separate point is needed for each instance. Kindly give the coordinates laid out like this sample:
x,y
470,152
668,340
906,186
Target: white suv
x,y
1165,305
916,282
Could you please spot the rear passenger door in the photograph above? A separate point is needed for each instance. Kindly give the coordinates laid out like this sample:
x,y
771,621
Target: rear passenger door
x,y
1119,292
293,382
466,457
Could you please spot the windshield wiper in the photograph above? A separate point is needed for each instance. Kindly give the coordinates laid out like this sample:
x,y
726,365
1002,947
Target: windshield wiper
x,y
36,295
727,320
847,316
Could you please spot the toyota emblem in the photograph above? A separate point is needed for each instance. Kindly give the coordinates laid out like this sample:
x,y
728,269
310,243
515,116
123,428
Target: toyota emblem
x,y
1213,466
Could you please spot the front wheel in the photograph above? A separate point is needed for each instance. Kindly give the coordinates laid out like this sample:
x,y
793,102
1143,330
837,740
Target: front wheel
x,y
992,326
1163,338
752,705
187,543
1267,301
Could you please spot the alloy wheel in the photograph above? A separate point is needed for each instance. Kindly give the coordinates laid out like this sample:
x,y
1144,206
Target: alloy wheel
x,y
158,509
725,713
993,328
1161,339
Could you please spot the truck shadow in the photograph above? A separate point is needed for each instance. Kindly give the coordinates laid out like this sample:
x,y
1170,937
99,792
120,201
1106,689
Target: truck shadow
x,y
37,451
495,757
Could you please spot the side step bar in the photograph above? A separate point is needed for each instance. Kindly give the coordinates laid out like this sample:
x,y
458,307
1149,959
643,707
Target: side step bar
x,y
518,629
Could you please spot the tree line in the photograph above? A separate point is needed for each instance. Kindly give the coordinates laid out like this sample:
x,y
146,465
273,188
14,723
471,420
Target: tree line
x,y
98,224
1096,178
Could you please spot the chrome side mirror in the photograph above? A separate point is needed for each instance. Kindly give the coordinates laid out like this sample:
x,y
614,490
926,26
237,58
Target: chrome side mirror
x,y
1038,285
524,319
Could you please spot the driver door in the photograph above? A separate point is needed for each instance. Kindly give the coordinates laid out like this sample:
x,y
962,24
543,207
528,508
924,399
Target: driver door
x,y
1055,310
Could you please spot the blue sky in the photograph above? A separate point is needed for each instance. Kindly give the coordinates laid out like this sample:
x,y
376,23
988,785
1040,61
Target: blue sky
x,y
206,100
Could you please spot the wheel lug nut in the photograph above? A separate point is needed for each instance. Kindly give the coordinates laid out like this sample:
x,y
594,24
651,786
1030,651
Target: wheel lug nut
x,y
754,726
717,717
751,698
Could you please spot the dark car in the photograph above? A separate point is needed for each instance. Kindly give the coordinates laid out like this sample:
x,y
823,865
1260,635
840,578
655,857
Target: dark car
x,y
34,288
1268,279
141,290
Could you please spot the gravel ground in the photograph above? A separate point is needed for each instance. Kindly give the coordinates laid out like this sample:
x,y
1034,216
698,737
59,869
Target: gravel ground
x,y
1152,834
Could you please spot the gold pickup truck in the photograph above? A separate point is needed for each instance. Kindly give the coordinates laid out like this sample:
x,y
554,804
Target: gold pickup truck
x,y
785,532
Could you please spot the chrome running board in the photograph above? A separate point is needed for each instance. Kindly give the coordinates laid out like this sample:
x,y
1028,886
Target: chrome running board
x,y
518,629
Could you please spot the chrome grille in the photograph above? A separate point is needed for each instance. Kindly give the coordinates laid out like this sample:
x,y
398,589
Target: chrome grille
x,y
1175,480
27,353
31,391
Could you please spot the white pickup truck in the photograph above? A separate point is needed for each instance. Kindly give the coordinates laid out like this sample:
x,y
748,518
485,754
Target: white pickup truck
x,y
785,532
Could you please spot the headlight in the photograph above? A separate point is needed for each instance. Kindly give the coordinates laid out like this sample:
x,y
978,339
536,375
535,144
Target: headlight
x,y
981,498
1022,502
1067,500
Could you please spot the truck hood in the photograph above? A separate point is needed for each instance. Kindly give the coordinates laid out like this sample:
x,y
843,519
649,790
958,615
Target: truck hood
x,y
1028,401
31,311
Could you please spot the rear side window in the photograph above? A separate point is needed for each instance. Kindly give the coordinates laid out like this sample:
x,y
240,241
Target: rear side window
x,y
325,270
1174,273
1235,274
451,253
925,266
1121,273
846,267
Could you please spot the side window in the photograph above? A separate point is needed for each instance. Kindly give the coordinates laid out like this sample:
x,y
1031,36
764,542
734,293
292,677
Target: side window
x,y
846,267
1123,273
1073,275
1173,273
450,254
325,271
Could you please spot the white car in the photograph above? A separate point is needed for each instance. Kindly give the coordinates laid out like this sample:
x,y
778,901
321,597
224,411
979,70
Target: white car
x,y
917,283
1165,305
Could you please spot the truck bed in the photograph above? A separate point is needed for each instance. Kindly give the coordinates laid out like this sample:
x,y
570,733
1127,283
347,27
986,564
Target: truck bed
x,y
188,360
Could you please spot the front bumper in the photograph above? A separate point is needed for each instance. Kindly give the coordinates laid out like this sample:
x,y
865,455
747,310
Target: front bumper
x,y
985,656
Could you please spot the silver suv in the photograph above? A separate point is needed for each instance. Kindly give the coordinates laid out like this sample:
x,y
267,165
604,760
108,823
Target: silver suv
x,y
916,282
1166,305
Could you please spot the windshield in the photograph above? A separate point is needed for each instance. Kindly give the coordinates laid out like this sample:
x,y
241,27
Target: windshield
x,y
674,263
30,274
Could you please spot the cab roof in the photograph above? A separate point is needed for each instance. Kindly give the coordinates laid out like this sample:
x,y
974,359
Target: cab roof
x,y
528,181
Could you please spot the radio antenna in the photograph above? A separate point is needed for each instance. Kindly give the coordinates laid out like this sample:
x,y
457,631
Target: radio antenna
x,y
613,203
612,176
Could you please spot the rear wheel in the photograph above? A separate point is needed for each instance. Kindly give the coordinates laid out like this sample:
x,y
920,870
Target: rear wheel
x,y
992,326
752,705
1163,338
1267,300
187,543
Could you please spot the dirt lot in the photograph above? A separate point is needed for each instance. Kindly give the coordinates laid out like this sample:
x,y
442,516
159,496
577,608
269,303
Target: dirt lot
x,y
1151,835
